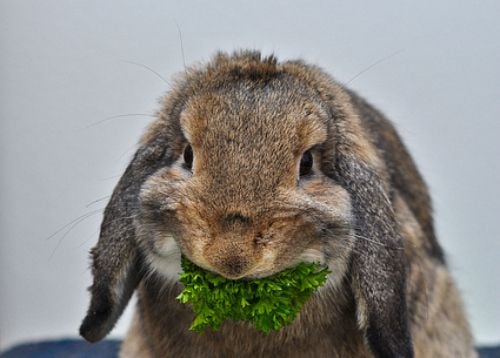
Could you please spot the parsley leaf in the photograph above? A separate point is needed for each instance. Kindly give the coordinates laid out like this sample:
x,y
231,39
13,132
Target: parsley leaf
x,y
268,303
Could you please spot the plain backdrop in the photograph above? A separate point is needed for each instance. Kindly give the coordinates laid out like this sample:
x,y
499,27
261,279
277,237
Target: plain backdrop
x,y
66,67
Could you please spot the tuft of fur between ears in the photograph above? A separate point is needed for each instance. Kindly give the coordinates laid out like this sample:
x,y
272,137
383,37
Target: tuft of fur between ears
x,y
267,303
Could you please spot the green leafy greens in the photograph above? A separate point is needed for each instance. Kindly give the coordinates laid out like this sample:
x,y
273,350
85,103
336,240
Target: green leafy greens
x,y
268,303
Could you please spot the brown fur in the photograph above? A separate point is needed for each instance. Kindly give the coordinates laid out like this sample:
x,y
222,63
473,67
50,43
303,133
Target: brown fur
x,y
243,211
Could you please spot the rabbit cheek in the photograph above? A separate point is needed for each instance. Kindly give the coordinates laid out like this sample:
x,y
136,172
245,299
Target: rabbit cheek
x,y
193,233
326,191
288,240
332,218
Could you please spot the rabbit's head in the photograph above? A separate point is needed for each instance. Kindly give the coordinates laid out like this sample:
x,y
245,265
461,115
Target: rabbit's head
x,y
251,167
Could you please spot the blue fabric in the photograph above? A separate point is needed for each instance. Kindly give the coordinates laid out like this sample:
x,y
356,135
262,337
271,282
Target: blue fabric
x,y
75,348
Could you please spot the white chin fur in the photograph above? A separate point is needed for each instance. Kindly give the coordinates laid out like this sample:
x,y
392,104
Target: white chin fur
x,y
312,255
337,267
168,265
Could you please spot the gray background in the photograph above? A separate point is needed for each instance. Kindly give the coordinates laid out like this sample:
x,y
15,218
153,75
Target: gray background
x,y
64,67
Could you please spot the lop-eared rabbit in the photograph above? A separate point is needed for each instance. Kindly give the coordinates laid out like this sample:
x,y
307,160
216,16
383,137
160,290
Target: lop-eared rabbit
x,y
250,167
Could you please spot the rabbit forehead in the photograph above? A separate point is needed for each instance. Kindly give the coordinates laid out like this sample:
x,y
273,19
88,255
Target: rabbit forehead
x,y
254,118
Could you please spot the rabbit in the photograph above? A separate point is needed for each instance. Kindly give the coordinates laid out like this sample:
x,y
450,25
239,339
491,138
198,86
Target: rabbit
x,y
250,167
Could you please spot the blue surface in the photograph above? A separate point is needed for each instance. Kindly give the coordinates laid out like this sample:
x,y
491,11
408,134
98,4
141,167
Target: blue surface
x,y
76,348
64,348
489,352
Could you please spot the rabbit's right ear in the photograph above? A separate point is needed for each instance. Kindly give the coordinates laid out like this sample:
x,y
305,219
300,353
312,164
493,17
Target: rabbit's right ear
x,y
116,260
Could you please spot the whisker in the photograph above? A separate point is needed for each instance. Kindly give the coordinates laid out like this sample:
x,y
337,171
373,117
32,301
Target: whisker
x,y
111,177
391,247
88,238
97,200
182,45
71,227
149,69
366,69
109,222
127,151
122,218
81,217
367,239
119,116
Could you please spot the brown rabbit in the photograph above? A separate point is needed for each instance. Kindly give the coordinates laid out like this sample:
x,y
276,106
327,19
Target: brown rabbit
x,y
251,167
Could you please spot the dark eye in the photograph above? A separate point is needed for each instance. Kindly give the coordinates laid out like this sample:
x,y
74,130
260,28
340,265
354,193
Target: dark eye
x,y
188,157
306,163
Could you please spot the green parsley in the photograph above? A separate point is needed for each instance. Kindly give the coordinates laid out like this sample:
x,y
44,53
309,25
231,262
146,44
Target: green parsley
x,y
268,303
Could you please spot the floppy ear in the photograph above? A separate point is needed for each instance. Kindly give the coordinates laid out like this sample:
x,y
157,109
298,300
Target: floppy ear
x,y
378,265
116,260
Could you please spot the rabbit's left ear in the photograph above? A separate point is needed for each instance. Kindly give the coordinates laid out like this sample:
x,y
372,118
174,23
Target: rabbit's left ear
x,y
378,266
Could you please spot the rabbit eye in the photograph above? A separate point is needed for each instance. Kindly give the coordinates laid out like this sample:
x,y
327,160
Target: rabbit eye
x,y
188,157
306,163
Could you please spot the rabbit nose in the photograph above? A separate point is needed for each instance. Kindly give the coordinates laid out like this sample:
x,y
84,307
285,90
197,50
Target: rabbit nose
x,y
234,266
